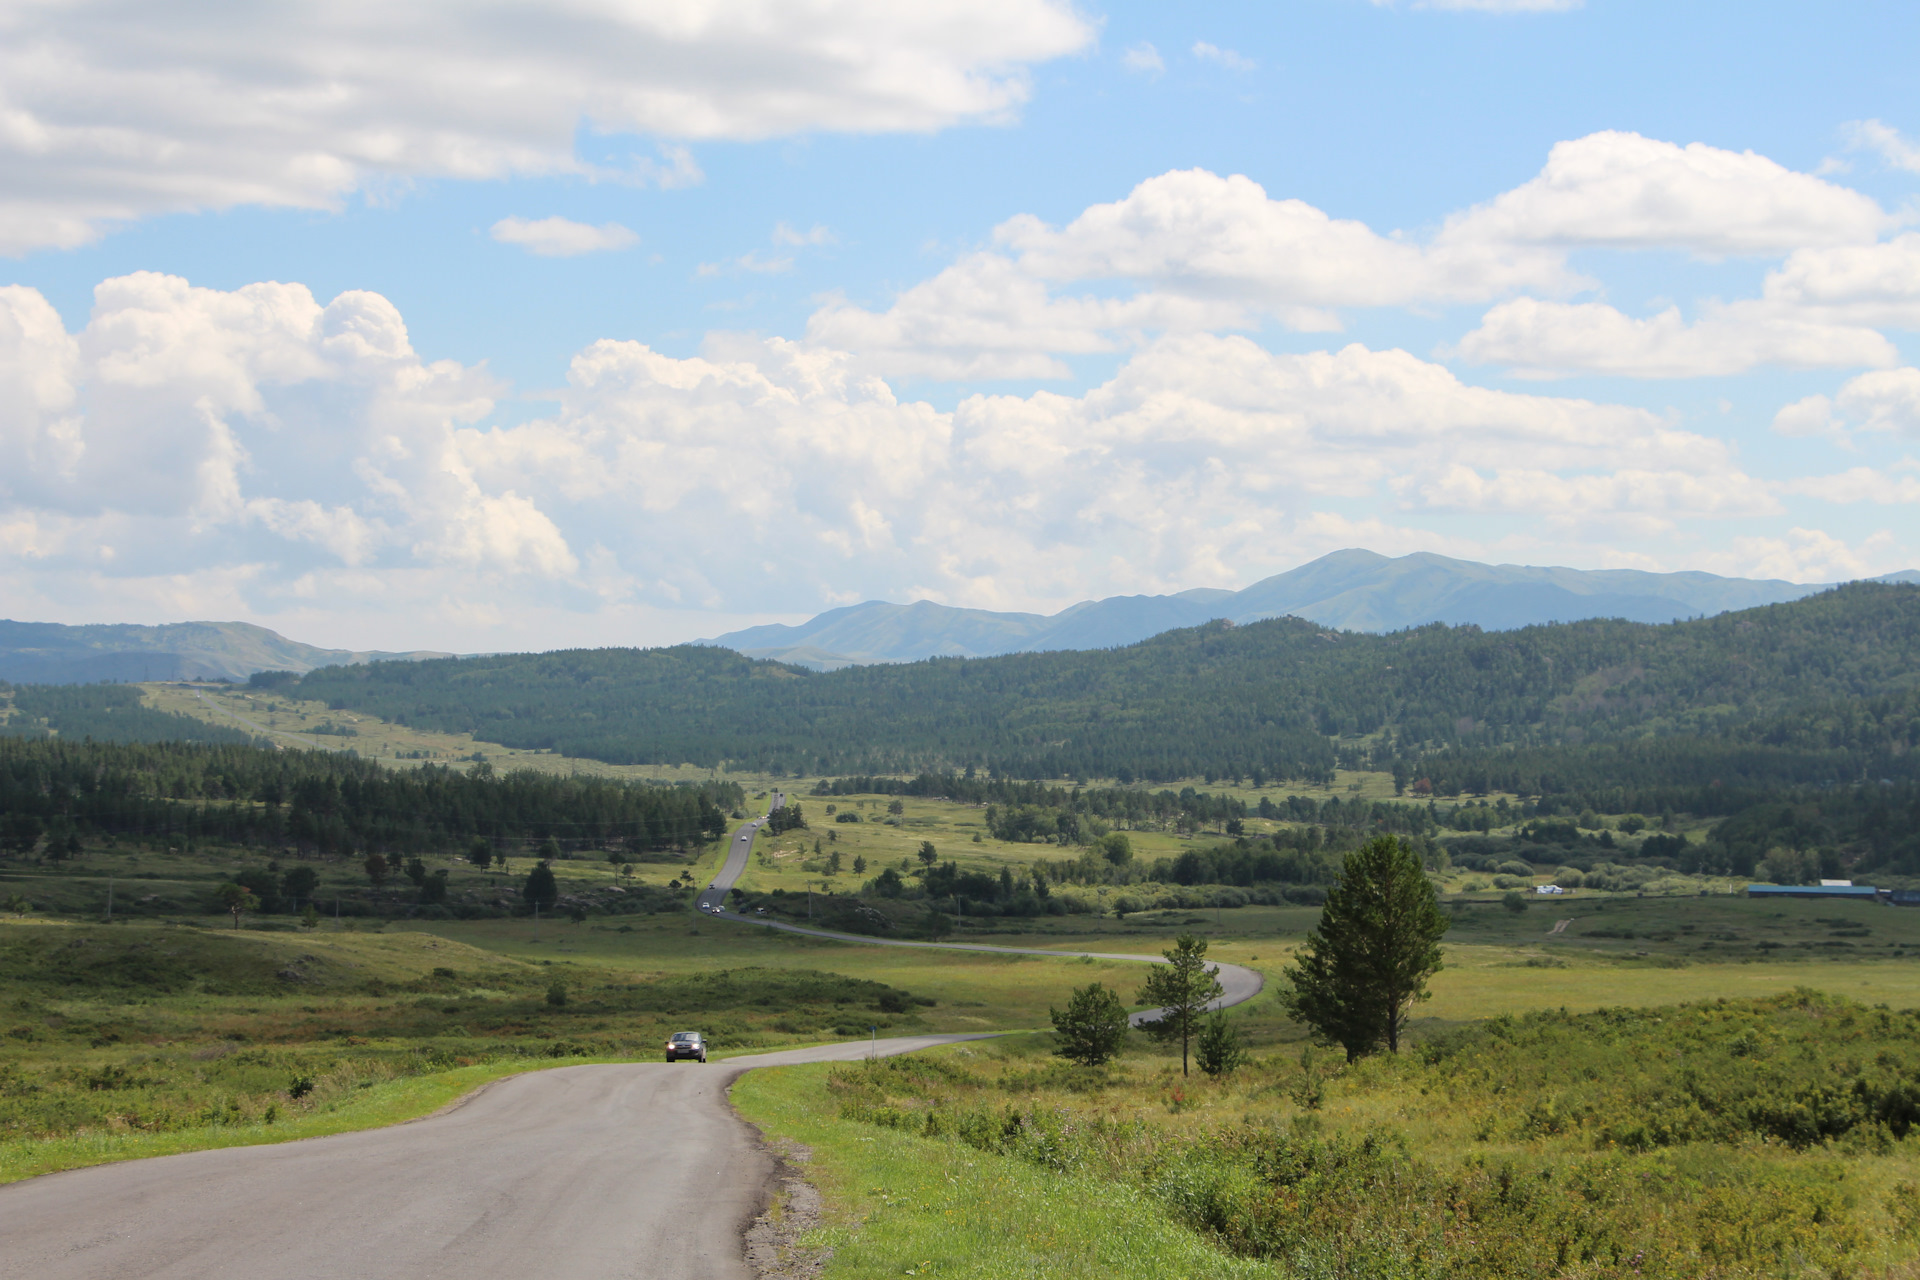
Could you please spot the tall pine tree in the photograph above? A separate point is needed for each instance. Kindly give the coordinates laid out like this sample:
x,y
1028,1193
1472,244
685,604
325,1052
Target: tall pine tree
x,y
1378,941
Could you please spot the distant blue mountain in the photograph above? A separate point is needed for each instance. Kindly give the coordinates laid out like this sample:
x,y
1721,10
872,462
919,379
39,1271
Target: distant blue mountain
x,y
53,653
1352,590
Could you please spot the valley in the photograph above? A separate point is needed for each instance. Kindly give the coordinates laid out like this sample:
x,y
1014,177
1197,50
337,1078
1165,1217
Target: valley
x,y
265,912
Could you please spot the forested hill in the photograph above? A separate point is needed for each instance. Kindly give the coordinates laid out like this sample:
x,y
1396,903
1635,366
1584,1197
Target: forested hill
x,y
1834,673
326,801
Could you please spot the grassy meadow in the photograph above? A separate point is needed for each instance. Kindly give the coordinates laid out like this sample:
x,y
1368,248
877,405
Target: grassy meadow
x,y
1763,1137
1502,1143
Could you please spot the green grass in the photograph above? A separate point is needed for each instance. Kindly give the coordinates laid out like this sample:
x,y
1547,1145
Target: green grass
x,y
898,1208
973,992
143,1039
1553,1144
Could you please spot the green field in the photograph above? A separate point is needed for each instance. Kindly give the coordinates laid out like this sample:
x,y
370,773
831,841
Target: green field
x,y
1544,1145
170,1030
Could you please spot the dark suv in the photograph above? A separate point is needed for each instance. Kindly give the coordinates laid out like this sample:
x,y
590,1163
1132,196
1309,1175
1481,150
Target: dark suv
x,y
686,1044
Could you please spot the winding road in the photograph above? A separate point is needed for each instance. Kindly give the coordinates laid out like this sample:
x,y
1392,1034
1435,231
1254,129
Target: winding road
x,y
1240,984
625,1170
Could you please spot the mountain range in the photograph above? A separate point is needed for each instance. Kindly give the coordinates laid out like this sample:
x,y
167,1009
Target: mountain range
x,y
52,653
1349,590
1352,590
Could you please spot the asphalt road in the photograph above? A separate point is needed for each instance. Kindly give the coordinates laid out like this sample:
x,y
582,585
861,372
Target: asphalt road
x,y
625,1170
1241,984
604,1171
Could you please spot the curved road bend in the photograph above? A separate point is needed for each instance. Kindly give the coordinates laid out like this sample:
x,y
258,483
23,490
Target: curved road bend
x,y
1242,984
577,1173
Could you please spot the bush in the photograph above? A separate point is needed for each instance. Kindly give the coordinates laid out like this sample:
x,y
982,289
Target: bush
x,y
1514,901
1512,882
1515,867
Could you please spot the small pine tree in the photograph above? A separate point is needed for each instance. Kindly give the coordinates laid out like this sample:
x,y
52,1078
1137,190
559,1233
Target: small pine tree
x,y
1183,988
1219,1052
541,890
1092,1028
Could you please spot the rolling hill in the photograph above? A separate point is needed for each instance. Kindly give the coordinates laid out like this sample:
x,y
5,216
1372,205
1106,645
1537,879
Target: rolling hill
x,y
51,653
1820,688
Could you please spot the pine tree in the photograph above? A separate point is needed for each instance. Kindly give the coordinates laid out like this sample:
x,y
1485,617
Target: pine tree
x,y
1368,960
1183,987
1092,1028
541,889
1219,1052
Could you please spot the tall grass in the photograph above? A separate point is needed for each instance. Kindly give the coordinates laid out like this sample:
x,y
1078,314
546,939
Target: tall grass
x,y
1729,1139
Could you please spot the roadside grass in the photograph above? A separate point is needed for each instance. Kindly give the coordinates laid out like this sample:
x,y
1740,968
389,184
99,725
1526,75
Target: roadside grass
x,y
903,1206
1549,1144
974,992
145,1039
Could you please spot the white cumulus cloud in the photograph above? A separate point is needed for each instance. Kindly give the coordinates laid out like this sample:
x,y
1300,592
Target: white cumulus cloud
x,y
1193,251
558,237
1876,284
1624,191
1532,338
1202,252
188,426
198,450
1884,400
110,112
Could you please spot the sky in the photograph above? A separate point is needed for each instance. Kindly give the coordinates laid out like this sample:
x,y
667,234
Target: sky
x,y
529,326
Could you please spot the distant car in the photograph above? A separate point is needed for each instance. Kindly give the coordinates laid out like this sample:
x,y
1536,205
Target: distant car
x,y
687,1044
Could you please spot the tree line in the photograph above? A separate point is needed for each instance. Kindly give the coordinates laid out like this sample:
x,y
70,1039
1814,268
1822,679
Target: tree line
x,y
108,712
329,803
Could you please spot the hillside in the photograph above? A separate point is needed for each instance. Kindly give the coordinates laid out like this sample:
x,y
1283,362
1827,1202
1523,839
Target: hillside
x,y
1281,698
50,653
1352,590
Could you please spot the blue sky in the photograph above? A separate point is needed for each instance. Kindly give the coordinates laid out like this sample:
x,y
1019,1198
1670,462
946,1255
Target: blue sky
x,y
631,322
